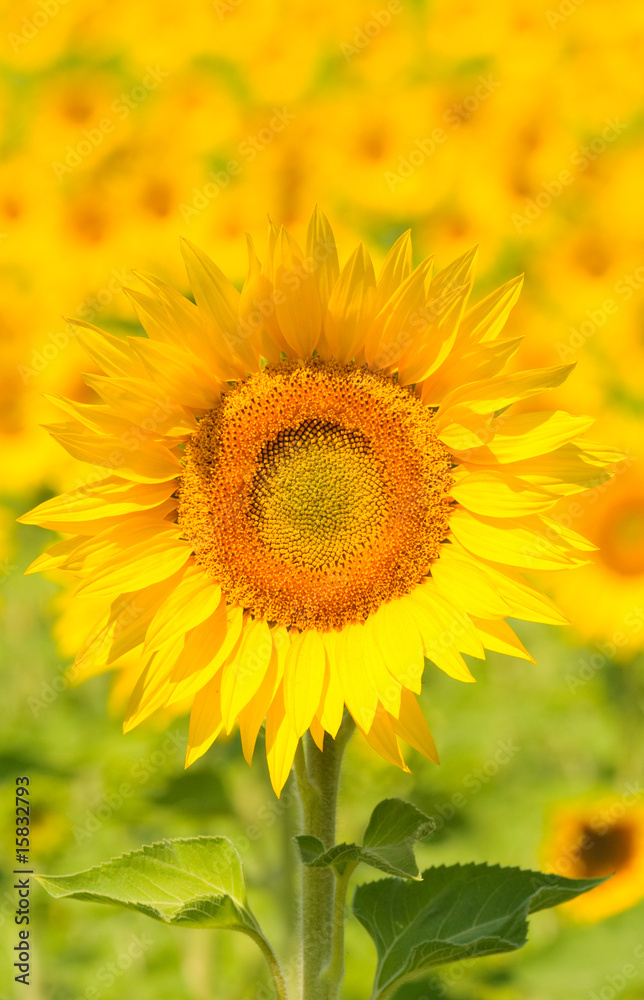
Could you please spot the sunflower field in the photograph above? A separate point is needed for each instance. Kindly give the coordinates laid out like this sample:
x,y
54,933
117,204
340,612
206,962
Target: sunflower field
x,y
427,227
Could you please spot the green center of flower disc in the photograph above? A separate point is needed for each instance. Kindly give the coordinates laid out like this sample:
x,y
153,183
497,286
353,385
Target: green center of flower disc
x,y
317,494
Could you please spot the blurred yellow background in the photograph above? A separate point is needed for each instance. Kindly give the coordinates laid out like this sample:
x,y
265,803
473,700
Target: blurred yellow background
x,y
515,125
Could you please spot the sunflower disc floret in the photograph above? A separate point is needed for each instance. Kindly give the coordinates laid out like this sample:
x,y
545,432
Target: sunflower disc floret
x,y
316,492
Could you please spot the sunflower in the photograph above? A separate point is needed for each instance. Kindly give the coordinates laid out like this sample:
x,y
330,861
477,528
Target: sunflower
x,y
605,599
310,486
594,839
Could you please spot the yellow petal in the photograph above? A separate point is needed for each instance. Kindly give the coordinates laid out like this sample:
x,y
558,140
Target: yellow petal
x,y
382,738
111,497
459,272
151,691
265,295
482,363
297,302
569,536
206,649
95,663
351,307
93,551
523,543
317,733
143,461
152,316
462,430
141,402
499,637
193,600
401,322
125,625
458,629
601,454
442,633
107,351
523,602
564,471
500,495
135,529
321,248
516,437
205,720
138,527
461,581
149,561
304,679
438,339
281,743
99,525
484,321
98,418
253,714
178,374
412,727
386,686
398,637
495,393
332,700
359,696
218,302
215,295
256,299
178,322
245,670
396,268
54,556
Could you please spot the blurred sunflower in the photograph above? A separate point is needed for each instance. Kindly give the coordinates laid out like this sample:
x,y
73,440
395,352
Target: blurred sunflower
x,y
313,484
605,599
595,839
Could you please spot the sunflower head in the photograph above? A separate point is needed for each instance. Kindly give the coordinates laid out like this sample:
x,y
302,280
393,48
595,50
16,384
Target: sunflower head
x,y
595,839
309,488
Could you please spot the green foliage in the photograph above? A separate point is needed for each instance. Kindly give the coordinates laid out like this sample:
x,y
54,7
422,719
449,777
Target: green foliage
x,y
421,989
388,842
457,912
198,792
192,882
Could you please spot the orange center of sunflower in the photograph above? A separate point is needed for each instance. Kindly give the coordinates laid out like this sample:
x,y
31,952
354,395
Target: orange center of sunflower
x,y
314,492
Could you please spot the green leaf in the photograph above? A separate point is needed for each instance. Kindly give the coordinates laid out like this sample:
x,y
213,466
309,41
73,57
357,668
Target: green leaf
x,y
421,989
388,843
463,911
312,853
310,848
389,839
192,882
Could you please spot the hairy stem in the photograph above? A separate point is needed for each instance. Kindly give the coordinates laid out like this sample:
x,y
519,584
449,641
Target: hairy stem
x,y
274,966
317,774
335,971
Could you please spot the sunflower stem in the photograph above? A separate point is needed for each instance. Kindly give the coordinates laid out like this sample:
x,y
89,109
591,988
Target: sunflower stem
x,y
334,973
317,773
